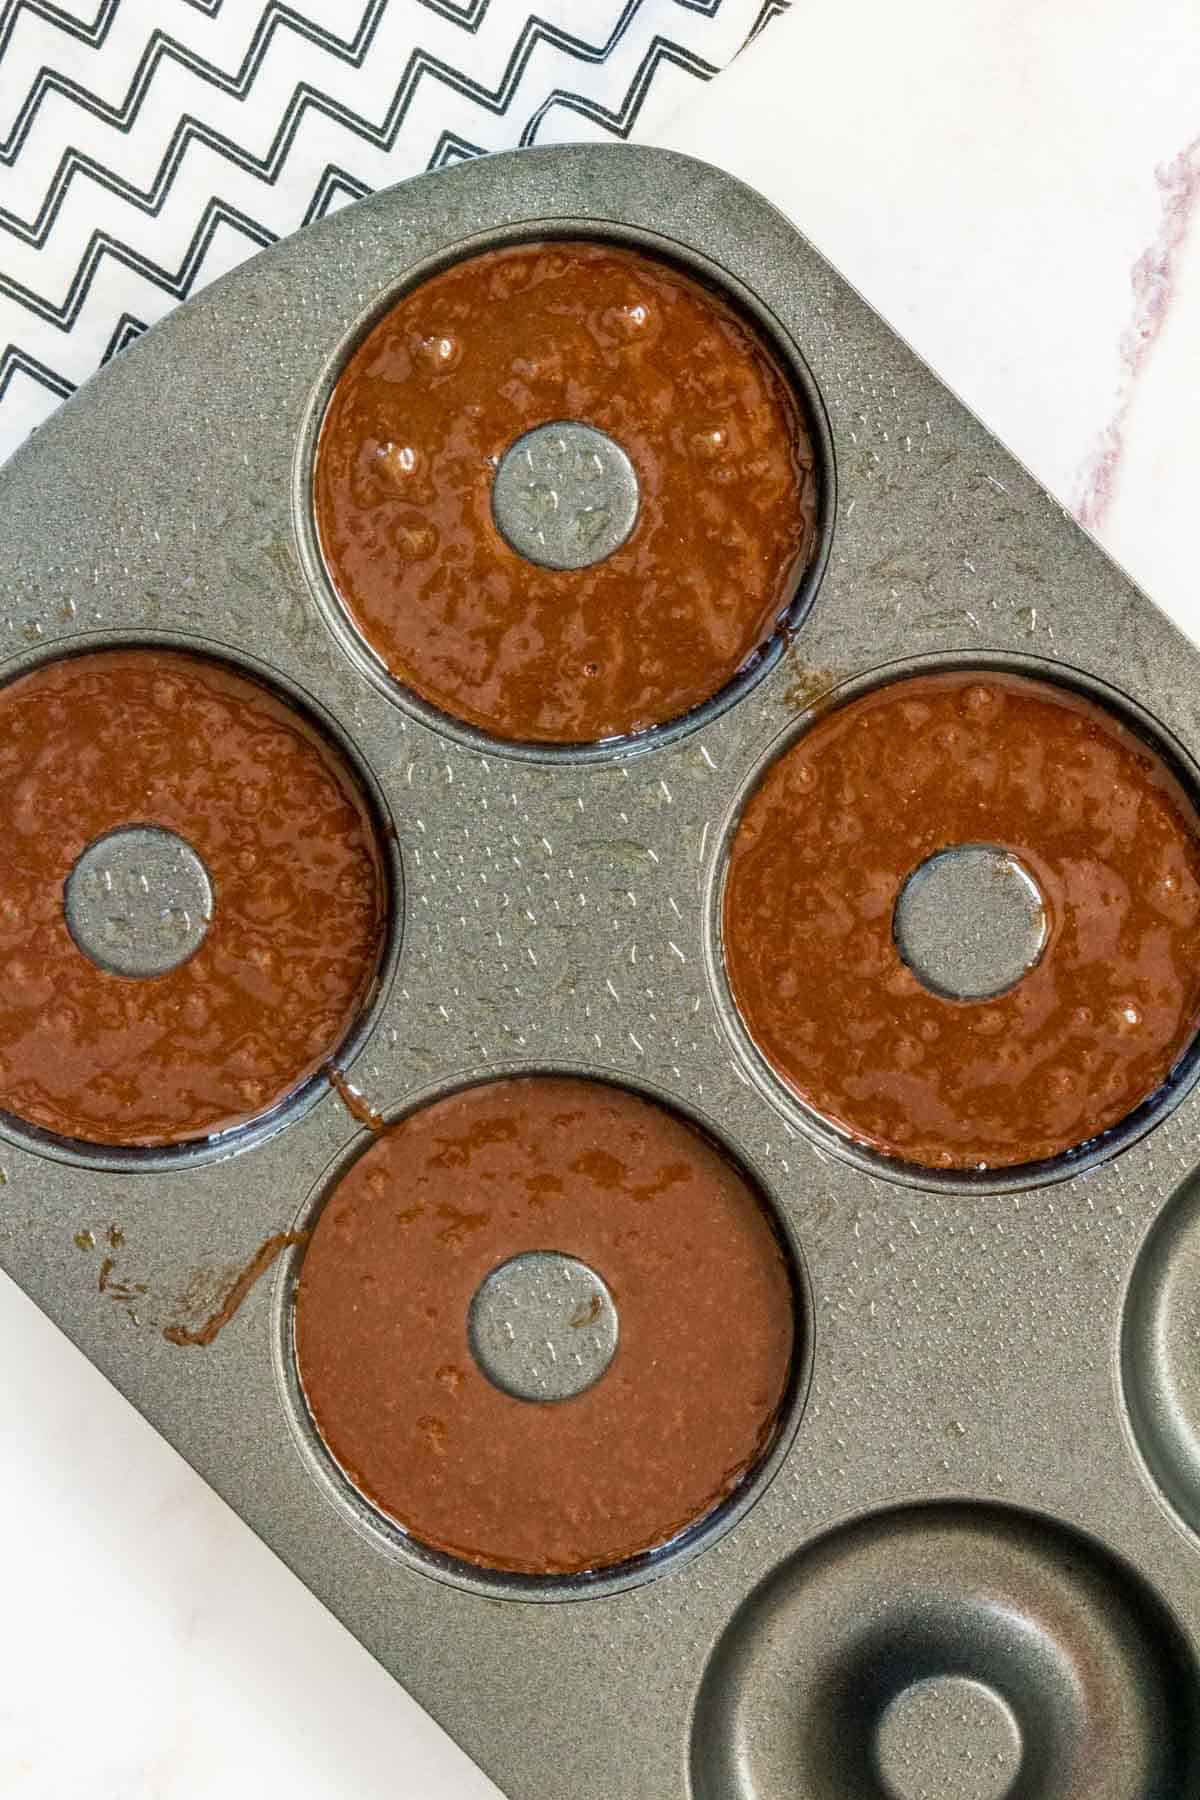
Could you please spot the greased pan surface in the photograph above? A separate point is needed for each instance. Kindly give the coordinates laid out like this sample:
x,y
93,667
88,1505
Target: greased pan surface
x,y
985,1475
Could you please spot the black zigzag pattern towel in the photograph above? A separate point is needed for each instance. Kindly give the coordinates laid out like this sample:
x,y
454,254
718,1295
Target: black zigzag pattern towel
x,y
146,146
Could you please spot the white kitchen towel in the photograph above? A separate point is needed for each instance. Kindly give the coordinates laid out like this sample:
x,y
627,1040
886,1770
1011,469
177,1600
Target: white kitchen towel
x,y
146,146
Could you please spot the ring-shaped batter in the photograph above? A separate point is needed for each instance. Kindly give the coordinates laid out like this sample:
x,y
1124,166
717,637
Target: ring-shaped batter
x,y
824,847
147,737
702,1287
441,388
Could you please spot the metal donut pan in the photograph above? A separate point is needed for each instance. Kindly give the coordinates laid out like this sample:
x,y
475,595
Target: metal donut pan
x,y
993,1480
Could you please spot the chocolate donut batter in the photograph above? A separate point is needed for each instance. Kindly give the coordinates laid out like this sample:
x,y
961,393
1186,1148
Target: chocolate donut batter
x,y
147,737
470,361
691,1399
824,848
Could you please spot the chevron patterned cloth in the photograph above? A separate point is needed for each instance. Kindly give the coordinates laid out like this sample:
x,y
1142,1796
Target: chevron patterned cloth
x,y
146,146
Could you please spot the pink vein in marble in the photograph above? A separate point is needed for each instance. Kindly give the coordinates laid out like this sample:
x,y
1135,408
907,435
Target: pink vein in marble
x,y
1153,282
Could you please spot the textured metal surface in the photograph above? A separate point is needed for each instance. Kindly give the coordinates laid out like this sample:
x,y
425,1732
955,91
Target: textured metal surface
x,y
1161,1353
969,922
139,901
961,1651
565,495
543,1326
947,1734
560,912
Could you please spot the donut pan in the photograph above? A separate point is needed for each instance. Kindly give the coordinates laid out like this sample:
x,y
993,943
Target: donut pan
x,y
969,1567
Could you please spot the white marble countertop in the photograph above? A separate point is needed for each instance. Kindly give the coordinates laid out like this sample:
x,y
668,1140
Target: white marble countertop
x,y
1017,189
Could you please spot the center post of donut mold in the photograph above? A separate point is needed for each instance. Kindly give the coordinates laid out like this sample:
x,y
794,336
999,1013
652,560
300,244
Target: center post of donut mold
x,y
948,1734
543,1326
970,921
565,495
139,901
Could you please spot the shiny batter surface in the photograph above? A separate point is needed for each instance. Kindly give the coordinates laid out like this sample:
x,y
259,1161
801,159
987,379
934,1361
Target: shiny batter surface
x,y
439,390
153,737
703,1293
824,848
